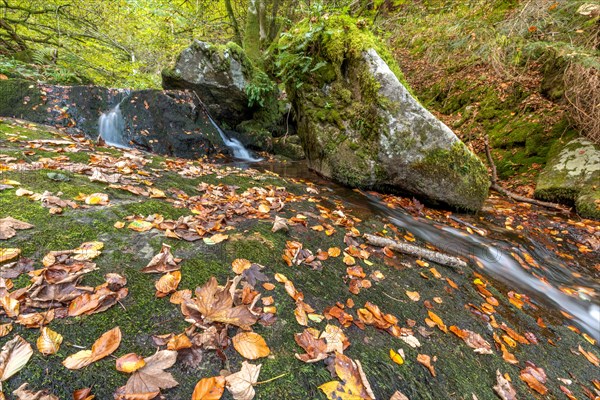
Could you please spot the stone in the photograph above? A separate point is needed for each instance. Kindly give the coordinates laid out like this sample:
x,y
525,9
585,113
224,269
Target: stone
x,y
572,177
360,126
219,76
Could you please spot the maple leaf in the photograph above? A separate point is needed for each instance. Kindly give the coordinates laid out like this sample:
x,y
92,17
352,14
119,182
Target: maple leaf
x,y
151,378
162,262
241,384
215,304
9,227
353,385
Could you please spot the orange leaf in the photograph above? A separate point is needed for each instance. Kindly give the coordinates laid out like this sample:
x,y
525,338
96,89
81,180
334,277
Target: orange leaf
x,y
130,363
438,321
209,388
250,345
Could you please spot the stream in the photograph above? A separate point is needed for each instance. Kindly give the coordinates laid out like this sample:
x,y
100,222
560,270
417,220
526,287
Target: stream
x,y
552,283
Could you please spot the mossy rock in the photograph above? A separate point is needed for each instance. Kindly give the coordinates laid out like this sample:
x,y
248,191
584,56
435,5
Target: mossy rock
x,y
359,123
572,176
20,98
289,147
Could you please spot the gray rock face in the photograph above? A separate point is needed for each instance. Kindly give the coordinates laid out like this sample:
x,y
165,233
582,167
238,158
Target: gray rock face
x,y
573,177
218,75
376,135
165,122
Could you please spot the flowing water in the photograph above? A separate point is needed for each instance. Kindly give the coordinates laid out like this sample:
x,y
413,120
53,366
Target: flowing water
x,y
112,128
495,252
238,149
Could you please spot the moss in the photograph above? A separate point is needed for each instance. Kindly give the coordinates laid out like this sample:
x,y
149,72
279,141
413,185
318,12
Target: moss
x,y
588,204
21,99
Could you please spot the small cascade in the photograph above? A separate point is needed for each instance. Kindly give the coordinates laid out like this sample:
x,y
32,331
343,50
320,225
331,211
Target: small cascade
x,y
112,128
239,151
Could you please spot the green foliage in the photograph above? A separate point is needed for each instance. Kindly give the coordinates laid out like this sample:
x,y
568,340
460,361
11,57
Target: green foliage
x,y
259,89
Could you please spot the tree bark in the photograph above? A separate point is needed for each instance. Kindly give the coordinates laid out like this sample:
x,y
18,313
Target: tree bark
x,y
234,23
410,249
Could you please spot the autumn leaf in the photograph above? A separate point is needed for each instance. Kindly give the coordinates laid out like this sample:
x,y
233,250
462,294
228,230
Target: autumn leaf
x,y
162,262
130,363
591,357
335,338
414,296
250,345
104,346
151,378
396,357
241,383
353,385
438,321
215,303
49,341
316,348
9,227
535,378
425,360
167,283
23,394
279,224
140,226
209,388
8,254
83,394
13,357
239,265
503,388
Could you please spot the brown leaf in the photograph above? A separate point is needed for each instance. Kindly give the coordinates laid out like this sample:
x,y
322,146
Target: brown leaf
x,y
504,388
398,396
425,360
13,357
151,377
215,303
316,349
250,345
104,346
239,265
353,385
591,357
9,227
240,384
209,388
162,262
167,283
535,378
23,394
83,394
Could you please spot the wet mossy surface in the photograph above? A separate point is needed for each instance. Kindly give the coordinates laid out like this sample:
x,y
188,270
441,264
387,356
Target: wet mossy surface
x,y
460,372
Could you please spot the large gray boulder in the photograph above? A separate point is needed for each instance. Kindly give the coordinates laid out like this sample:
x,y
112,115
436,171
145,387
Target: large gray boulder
x,y
219,76
360,126
572,177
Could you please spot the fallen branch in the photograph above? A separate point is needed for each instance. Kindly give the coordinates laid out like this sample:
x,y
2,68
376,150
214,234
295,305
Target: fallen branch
x,y
416,251
496,186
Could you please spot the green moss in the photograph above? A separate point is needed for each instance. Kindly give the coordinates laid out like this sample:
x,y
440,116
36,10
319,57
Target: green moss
x,y
588,204
21,99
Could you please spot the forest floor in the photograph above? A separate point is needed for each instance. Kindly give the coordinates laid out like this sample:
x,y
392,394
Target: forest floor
x,y
312,288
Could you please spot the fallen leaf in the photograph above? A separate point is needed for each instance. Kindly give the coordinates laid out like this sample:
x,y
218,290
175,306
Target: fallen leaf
x,y
335,338
167,283
9,227
23,394
438,321
316,348
130,363
140,226
279,224
162,262
13,357
591,357
209,388
239,265
425,360
241,383
504,388
414,296
250,345
104,346
397,358
398,396
49,341
535,378
83,394
151,377
8,254
353,385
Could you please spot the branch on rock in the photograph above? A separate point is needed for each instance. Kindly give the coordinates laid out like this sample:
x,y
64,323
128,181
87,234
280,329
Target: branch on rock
x,y
410,249
496,186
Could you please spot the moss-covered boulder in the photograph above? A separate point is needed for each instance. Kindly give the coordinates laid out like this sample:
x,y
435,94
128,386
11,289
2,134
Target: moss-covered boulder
x,y
360,125
572,176
219,75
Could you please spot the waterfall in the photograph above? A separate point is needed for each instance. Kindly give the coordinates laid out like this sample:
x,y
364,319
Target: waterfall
x,y
112,128
238,149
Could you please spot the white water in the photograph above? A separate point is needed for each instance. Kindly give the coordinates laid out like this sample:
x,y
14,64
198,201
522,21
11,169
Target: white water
x,y
112,128
238,149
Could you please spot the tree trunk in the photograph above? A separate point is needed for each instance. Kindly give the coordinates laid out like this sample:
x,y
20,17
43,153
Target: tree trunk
x,y
252,34
234,23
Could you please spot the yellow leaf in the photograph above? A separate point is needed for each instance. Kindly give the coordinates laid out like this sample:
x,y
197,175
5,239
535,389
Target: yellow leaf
x,y
397,358
140,226
49,341
8,254
167,283
104,346
130,363
414,296
250,345
239,265
438,321
334,251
